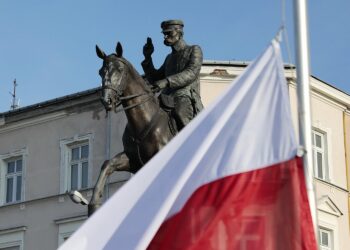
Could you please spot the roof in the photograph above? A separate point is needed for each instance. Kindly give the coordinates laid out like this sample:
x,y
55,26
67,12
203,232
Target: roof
x,y
236,63
51,102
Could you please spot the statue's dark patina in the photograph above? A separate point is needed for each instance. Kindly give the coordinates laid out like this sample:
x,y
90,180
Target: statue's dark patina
x,y
178,77
150,124
147,130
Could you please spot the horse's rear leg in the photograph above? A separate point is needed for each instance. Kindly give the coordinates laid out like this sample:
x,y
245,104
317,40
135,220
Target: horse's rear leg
x,y
120,162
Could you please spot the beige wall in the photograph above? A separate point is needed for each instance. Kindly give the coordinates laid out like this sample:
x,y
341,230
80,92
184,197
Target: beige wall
x,y
347,151
327,115
40,136
43,204
43,142
347,143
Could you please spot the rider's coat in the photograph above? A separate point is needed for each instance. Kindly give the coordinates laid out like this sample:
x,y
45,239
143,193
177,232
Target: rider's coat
x,y
181,68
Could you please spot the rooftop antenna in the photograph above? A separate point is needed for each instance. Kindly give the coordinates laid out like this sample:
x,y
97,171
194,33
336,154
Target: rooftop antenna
x,y
14,99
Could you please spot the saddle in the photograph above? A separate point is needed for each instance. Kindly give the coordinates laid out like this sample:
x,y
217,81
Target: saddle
x,y
132,142
167,104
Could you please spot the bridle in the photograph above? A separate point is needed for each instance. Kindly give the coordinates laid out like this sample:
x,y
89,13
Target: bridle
x,y
119,90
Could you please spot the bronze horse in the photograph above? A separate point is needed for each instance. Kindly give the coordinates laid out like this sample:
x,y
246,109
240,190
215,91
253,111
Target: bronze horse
x,y
147,130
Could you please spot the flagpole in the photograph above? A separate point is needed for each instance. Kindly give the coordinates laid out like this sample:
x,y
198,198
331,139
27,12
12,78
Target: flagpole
x,y
304,110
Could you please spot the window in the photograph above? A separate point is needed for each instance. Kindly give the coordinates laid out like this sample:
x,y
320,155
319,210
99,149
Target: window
x,y
12,239
12,177
14,181
66,227
325,239
75,172
319,144
79,167
11,248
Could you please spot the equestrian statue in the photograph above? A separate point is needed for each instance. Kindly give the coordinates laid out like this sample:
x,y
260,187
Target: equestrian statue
x,y
153,119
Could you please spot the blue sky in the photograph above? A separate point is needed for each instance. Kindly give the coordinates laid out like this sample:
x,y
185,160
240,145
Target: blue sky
x,y
49,46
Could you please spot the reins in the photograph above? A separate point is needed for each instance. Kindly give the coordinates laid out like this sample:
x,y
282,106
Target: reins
x,y
125,98
134,105
119,92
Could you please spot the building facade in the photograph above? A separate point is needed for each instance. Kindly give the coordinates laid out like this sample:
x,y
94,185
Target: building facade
x,y
46,150
56,146
330,140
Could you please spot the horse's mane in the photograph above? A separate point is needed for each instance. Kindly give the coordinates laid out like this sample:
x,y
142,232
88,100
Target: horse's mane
x,y
135,74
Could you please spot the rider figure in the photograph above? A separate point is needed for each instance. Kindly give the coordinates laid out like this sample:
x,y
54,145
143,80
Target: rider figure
x,y
178,77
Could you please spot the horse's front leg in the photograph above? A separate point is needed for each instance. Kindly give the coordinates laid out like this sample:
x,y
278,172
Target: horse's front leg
x,y
120,162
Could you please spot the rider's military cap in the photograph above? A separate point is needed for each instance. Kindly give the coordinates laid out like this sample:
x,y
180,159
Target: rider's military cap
x,y
171,25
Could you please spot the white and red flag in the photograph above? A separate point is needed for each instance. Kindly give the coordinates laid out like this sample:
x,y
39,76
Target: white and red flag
x,y
230,180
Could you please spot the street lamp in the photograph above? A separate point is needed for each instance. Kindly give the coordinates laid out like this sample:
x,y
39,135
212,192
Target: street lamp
x,y
77,197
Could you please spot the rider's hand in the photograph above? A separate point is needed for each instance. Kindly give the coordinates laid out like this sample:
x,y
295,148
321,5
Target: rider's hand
x,y
148,48
159,85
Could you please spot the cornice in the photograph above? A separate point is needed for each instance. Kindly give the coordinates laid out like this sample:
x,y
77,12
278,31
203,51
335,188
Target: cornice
x,y
50,111
71,219
332,98
330,92
65,102
4,128
13,230
235,68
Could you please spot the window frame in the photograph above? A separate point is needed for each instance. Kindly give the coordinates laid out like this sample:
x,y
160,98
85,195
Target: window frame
x,y
66,146
330,238
328,220
12,237
4,159
67,226
79,162
14,176
324,153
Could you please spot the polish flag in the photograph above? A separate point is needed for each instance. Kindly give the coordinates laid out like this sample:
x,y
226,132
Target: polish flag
x,y
230,180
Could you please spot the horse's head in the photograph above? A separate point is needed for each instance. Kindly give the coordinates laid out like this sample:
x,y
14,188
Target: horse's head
x,y
112,73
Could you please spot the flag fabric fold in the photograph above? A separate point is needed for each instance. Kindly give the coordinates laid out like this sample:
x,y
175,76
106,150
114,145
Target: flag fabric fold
x,y
229,180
